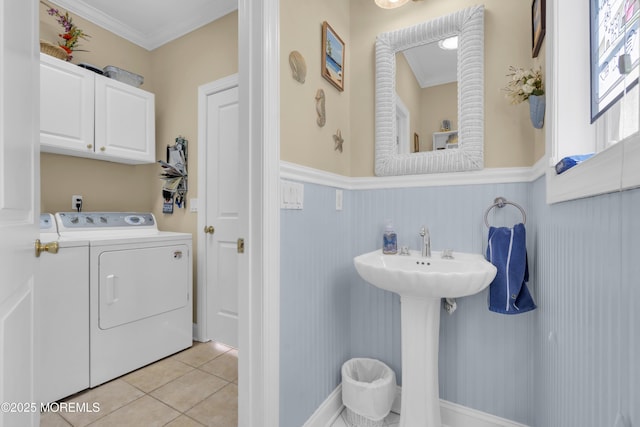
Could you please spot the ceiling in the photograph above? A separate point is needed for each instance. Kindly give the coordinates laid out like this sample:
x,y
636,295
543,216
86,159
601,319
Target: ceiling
x,y
432,65
149,23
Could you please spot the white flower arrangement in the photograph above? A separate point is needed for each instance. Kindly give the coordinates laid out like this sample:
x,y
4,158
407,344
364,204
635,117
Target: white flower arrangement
x,y
523,84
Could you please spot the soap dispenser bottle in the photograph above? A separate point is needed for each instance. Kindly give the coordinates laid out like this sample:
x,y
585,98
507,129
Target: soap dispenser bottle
x,y
389,240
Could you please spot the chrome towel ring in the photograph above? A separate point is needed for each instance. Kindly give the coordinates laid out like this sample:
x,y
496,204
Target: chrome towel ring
x,y
500,202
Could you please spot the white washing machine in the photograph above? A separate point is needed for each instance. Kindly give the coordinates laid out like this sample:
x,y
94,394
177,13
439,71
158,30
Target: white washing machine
x,y
62,310
140,289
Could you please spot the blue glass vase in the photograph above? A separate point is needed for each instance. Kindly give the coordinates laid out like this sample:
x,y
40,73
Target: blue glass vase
x,y
536,110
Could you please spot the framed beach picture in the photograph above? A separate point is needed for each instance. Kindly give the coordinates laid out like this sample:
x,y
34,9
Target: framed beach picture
x,y
332,57
538,25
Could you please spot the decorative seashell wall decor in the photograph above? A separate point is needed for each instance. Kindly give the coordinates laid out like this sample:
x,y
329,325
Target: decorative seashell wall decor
x,y
298,66
338,140
322,118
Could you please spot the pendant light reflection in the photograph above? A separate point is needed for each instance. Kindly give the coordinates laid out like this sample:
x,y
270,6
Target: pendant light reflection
x,y
449,44
391,4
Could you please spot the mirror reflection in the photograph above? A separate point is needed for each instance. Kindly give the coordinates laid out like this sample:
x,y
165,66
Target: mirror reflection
x,y
426,86
418,105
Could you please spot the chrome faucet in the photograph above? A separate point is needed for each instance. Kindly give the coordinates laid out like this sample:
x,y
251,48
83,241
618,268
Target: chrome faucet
x,y
426,242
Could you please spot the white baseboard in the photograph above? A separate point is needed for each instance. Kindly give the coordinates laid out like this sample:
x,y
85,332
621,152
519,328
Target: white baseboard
x,y
453,415
195,332
329,411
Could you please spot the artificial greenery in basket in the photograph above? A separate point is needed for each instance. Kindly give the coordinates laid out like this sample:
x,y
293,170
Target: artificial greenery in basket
x,y
72,34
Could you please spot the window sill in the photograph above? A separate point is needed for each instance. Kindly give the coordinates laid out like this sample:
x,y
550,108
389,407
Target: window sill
x,y
609,171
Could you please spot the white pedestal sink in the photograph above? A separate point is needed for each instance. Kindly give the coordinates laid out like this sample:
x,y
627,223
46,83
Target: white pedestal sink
x,y
421,283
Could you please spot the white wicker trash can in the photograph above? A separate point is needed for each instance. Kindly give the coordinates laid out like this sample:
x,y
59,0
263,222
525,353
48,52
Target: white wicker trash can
x,y
368,391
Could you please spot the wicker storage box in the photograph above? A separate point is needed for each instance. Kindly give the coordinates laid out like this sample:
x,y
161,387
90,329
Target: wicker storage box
x,y
123,76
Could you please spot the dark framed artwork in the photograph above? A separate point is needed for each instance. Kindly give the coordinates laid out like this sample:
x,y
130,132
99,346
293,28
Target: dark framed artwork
x,y
332,57
538,25
416,143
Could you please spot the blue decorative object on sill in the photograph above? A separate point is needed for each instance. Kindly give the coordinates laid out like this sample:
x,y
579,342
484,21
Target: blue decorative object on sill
x,y
536,110
570,161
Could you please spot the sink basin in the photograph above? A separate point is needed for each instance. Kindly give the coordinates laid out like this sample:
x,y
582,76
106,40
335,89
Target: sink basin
x,y
421,282
435,277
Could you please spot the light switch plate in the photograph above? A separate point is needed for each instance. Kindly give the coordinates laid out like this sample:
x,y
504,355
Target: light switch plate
x,y
291,195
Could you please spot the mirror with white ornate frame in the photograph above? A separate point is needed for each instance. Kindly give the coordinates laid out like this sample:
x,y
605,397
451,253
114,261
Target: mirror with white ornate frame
x,y
468,25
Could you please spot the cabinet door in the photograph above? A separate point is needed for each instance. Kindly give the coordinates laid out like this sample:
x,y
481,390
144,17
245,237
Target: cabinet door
x,y
125,122
66,107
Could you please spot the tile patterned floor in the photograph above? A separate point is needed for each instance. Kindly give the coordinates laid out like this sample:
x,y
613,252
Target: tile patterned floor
x,y
194,388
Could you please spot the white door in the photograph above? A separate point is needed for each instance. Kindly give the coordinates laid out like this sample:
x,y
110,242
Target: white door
x,y
220,209
19,177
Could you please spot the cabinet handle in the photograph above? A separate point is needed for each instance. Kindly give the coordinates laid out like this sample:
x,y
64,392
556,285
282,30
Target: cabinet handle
x,y
89,146
102,148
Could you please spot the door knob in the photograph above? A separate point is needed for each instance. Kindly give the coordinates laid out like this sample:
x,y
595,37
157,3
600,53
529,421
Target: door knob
x,y
52,247
209,229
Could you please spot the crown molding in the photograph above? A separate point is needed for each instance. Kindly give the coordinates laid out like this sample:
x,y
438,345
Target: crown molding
x,y
161,35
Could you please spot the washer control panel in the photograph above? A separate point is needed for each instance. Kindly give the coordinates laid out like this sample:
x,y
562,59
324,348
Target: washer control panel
x,y
104,220
47,223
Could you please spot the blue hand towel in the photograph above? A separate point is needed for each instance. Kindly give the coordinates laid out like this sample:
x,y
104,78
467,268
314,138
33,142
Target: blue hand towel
x,y
508,293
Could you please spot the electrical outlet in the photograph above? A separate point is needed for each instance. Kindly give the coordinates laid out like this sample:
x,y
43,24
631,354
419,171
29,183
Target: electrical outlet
x,y
75,201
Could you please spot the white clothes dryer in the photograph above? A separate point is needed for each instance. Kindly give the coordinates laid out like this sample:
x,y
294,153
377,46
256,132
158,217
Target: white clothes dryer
x,y
62,307
140,289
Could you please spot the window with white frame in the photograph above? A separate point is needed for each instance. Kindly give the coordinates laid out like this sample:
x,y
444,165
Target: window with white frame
x,y
614,68
613,135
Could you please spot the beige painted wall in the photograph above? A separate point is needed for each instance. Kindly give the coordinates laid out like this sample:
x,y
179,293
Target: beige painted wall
x,y
173,72
437,104
510,140
180,67
302,140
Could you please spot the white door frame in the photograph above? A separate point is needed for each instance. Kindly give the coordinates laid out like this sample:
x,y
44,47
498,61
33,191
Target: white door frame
x,y
259,279
204,91
403,120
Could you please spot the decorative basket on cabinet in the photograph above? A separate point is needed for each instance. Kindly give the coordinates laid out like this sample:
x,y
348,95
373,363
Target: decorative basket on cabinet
x,y
53,50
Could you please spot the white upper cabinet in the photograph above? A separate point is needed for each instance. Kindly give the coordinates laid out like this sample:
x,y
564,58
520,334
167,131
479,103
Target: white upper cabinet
x,y
88,115
125,121
66,106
